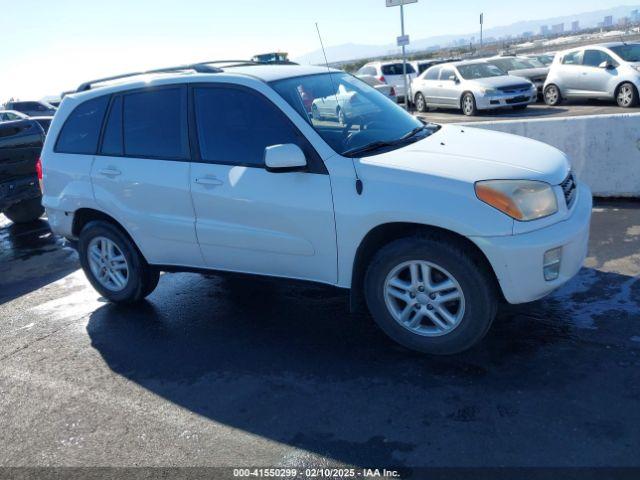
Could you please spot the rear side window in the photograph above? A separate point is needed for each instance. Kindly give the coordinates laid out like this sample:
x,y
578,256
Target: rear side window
x,y
112,140
432,73
81,130
155,124
396,69
235,126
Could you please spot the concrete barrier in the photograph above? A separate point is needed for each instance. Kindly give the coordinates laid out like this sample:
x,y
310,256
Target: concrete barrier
x,y
604,149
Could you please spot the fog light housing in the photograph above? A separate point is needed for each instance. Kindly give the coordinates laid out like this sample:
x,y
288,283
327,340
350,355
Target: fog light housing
x,y
551,264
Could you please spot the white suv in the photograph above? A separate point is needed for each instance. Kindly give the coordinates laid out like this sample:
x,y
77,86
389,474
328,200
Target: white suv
x,y
227,169
390,72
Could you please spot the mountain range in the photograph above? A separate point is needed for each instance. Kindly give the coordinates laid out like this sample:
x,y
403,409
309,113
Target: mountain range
x,y
353,51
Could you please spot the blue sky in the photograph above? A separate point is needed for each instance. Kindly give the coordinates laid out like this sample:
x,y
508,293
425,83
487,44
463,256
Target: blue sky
x,y
50,46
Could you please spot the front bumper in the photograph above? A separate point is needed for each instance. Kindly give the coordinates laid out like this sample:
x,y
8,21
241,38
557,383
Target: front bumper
x,y
518,260
501,100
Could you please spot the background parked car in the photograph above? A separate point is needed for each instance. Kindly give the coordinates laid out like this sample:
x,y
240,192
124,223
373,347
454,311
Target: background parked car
x,y
32,108
44,122
471,86
390,72
420,66
608,71
11,115
545,59
530,69
20,146
385,89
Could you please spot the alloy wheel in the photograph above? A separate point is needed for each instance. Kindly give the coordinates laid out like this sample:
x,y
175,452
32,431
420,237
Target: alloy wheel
x,y
424,298
108,264
625,95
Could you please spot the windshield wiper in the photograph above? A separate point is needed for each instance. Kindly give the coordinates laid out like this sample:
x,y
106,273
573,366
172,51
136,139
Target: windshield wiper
x,y
377,145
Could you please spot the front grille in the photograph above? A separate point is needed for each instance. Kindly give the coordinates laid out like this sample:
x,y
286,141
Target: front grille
x,y
517,100
569,188
515,88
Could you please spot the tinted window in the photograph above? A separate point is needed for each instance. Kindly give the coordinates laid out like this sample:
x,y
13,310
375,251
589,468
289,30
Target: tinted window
x,y
629,52
432,73
82,129
474,71
155,124
396,69
573,58
593,58
235,126
112,140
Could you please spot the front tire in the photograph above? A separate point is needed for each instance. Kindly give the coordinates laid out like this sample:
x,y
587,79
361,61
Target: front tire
x,y
469,107
552,95
431,295
113,264
421,103
627,95
26,211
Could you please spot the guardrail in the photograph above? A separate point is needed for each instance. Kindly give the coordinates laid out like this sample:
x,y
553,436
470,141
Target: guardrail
x,y
604,149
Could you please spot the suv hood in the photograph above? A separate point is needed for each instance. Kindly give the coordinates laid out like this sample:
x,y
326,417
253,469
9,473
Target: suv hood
x,y
472,154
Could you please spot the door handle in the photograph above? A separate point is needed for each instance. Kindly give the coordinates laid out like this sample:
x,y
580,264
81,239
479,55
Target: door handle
x,y
209,181
110,172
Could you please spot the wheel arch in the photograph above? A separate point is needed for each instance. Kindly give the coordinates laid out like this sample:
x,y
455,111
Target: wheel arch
x,y
619,85
384,234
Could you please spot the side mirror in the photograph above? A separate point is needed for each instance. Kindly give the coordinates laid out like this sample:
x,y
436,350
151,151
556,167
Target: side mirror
x,y
284,158
453,78
607,65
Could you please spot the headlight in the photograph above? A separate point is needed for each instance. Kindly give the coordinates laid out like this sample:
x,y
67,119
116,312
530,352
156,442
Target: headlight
x,y
533,86
524,200
488,91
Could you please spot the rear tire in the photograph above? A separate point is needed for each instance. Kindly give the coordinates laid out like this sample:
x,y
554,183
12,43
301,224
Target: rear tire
x,y
114,265
474,309
421,103
552,95
468,104
26,211
627,95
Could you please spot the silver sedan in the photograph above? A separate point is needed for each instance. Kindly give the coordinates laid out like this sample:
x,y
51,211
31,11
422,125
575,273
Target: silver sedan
x,y
471,86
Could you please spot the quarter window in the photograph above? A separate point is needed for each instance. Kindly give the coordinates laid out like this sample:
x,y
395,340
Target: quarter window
x,y
82,129
573,58
235,126
155,124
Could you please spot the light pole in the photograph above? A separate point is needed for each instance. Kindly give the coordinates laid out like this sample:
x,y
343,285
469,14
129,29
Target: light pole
x,y
481,22
403,41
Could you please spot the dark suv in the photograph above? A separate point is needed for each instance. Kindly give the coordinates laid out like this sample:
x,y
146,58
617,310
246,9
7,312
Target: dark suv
x,y
32,109
20,146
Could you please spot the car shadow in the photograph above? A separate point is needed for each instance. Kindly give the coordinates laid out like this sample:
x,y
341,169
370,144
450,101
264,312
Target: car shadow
x,y
31,256
284,361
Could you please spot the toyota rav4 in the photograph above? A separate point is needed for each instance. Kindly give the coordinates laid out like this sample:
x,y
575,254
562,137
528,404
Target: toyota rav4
x,y
308,173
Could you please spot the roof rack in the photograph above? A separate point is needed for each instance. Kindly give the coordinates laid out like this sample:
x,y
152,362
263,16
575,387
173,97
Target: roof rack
x,y
200,67
197,67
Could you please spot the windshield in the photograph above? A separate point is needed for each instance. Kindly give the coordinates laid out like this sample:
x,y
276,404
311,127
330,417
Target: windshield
x,y
629,53
349,114
479,70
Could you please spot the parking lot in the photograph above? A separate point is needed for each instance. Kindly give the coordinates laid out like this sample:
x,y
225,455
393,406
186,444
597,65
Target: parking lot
x,y
537,110
238,371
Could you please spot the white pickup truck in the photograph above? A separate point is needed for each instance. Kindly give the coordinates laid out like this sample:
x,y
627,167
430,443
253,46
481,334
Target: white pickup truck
x,y
225,167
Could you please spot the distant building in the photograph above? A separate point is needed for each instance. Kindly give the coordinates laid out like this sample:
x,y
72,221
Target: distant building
x,y
556,29
527,35
608,21
575,26
544,30
635,16
624,21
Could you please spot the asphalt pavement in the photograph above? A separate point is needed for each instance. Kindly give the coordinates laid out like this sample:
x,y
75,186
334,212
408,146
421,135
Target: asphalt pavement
x,y
236,371
536,111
